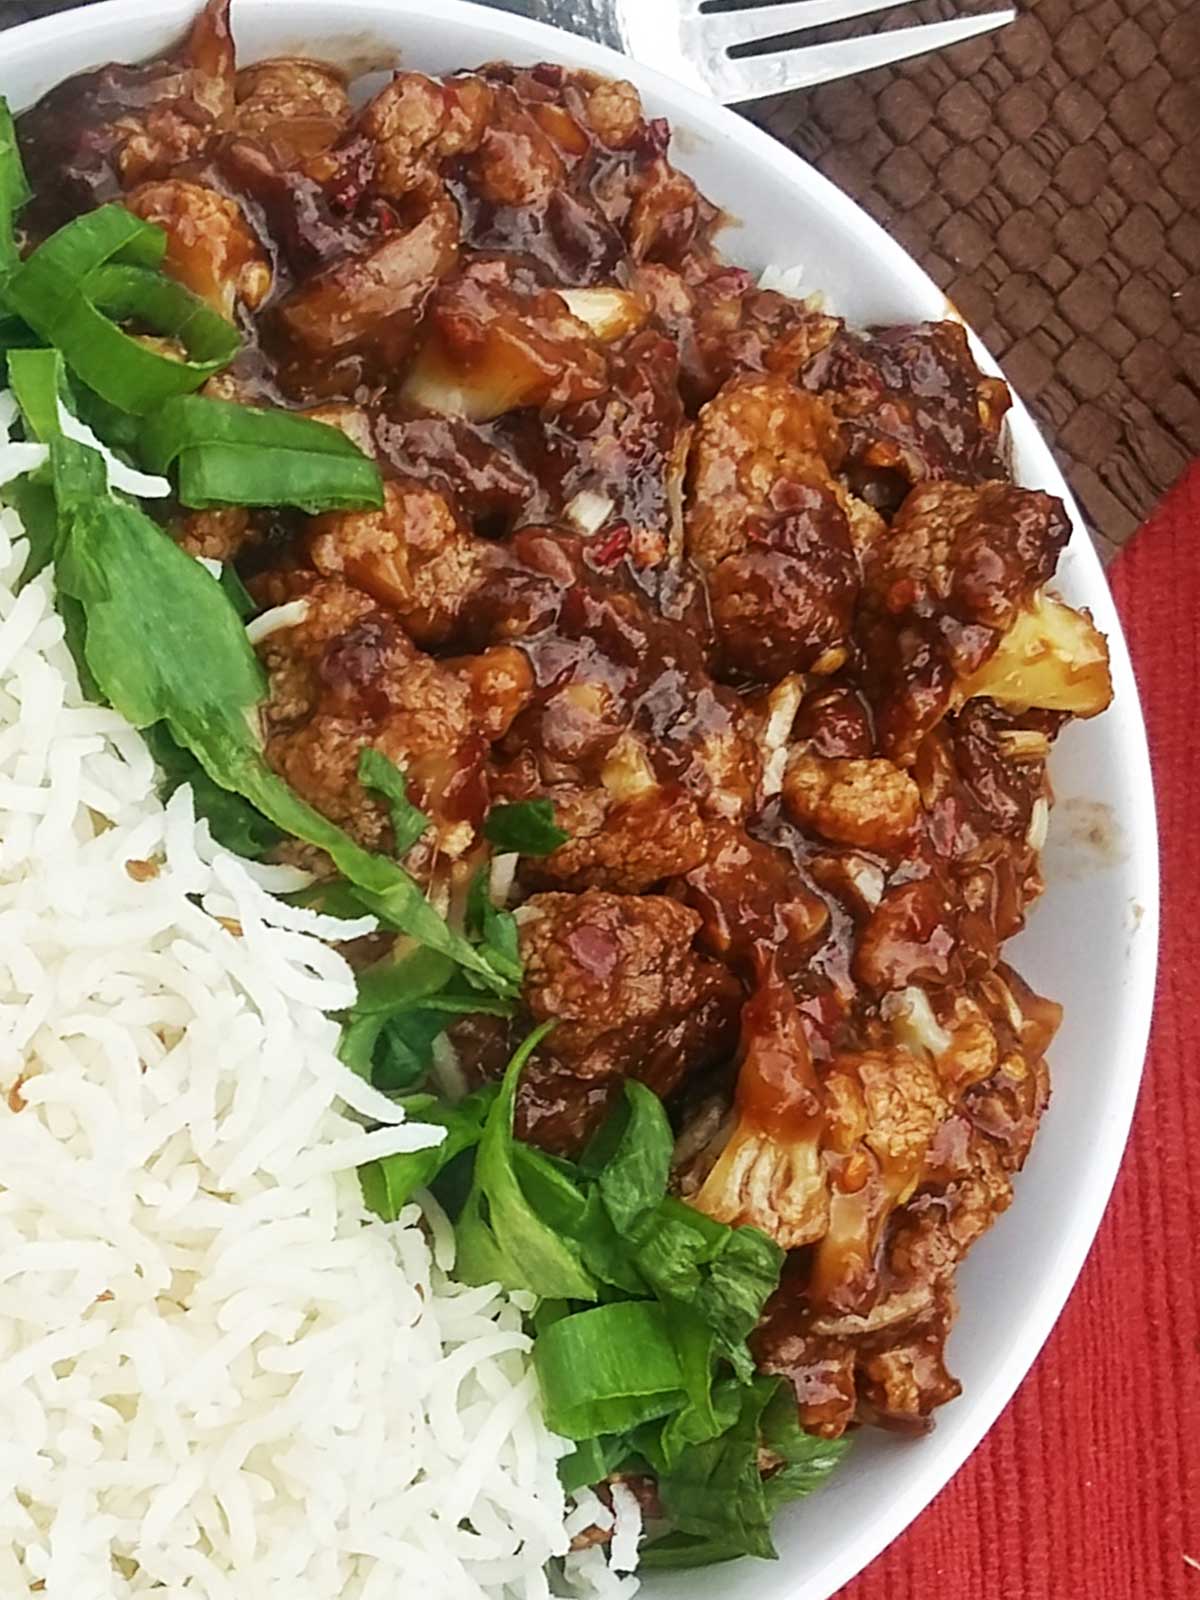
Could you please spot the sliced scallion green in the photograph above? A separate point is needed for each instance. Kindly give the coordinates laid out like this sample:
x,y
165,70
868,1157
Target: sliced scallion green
x,y
98,270
228,454
14,188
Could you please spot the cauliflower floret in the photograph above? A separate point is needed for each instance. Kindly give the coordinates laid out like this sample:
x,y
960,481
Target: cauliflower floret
x,y
758,437
867,803
413,555
962,1046
628,845
300,107
210,246
770,1174
1051,657
962,565
415,122
346,677
883,1108
766,525
617,972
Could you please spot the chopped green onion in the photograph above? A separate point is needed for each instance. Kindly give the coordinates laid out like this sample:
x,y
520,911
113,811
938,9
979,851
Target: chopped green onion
x,y
230,454
609,1369
240,597
527,827
36,377
98,270
14,188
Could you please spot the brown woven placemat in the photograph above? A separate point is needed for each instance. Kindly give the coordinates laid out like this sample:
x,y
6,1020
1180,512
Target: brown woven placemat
x,y
1048,177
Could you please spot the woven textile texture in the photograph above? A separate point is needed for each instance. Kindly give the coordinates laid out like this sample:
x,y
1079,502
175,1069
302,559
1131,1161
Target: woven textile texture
x,y
1048,177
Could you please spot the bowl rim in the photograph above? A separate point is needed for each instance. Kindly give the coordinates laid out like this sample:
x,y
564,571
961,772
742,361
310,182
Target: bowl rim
x,y
112,23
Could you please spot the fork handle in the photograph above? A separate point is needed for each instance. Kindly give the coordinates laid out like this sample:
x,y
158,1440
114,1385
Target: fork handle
x,y
594,19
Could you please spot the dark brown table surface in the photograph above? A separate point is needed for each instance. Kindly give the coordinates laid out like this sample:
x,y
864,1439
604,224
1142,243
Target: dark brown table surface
x,y
1048,177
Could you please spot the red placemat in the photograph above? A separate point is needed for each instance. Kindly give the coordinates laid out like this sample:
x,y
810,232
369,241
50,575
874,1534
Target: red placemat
x,y
1088,1488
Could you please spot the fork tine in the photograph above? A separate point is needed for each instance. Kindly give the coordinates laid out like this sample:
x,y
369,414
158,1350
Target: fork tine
x,y
806,65
728,28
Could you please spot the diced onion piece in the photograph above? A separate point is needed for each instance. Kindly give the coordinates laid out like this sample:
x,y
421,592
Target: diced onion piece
x,y
1023,744
783,280
589,511
500,880
608,312
500,381
1052,657
213,568
1039,824
289,615
774,768
783,702
867,877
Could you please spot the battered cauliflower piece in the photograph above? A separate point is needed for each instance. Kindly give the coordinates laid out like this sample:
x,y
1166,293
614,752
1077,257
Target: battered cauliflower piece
x,y
912,405
766,525
759,439
415,122
344,677
296,106
414,555
219,534
870,804
755,905
883,1109
628,845
211,248
955,608
976,551
617,972
770,1174
957,1036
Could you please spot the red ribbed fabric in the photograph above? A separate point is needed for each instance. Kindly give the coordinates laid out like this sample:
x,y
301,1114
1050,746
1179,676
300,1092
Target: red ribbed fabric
x,y
1088,1487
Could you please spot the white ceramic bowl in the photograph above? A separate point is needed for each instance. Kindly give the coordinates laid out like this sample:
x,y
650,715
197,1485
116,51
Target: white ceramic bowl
x,y
1093,940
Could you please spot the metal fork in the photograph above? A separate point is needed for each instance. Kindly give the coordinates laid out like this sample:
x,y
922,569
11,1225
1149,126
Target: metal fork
x,y
693,43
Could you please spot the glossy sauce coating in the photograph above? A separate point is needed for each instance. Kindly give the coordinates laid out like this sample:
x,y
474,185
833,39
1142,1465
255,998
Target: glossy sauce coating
x,y
717,576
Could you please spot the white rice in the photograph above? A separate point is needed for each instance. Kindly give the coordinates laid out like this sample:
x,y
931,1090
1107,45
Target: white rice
x,y
219,1380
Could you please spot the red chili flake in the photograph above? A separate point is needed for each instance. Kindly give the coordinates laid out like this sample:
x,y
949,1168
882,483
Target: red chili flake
x,y
607,551
384,216
547,72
